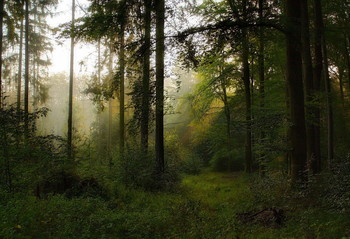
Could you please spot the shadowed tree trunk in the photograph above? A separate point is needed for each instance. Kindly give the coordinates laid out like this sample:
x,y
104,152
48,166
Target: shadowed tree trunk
x,y
312,154
121,88
246,81
1,47
110,105
160,49
341,88
296,94
330,126
26,74
71,78
318,65
19,79
347,57
261,70
146,76
321,71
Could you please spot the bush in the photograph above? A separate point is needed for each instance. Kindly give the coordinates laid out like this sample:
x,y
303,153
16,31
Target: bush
x,y
139,170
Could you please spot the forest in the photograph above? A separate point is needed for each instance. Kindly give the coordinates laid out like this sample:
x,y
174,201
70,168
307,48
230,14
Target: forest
x,y
175,119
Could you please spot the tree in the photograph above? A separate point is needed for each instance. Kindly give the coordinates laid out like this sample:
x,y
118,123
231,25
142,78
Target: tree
x,y
26,65
160,49
247,90
1,48
313,154
296,94
121,82
71,78
146,75
19,76
321,72
261,67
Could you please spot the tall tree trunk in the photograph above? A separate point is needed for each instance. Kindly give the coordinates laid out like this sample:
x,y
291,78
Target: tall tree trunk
x,y
318,65
321,70
26,74
110,103
296,94
160,50
347,56
99,60
121,89
146,76
330,124
1,47
312,154
19,79
341,87
261,70
71,79
246,81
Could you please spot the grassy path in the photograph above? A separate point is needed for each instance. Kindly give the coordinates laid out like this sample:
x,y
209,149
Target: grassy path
x,y
205,207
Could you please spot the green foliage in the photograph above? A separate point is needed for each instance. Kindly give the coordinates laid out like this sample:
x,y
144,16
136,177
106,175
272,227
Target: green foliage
x,y
25,157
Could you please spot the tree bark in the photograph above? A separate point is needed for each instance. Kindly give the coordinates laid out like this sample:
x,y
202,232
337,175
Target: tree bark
x,y
71,79
312,154
160,49
1,47
341,87
321,71
347,57
246,81
19,79
296,94
261,70
110,111
26,74
330,125
146,77
122,89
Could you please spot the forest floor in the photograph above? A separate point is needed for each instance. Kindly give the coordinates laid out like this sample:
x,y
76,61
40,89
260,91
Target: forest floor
x,y
208,205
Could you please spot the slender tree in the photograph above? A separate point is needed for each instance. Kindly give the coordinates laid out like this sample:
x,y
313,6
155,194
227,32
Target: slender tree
x,y
246,81
261,72
121,86
26,63
19,76
71,79
312,153
321,72
1,45
296,94
146,75
160,49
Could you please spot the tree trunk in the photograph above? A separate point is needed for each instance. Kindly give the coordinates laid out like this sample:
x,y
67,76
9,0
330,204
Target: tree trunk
x,y
321,70
19,79
26,74
330,126
71,78
312,155
347,57
1,47
121,89
296,94
110,111
160,49
318,65
341,87
261,70
146,76
246,81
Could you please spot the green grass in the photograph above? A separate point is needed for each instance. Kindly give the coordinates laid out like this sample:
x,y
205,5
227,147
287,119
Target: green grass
x,y
205,206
